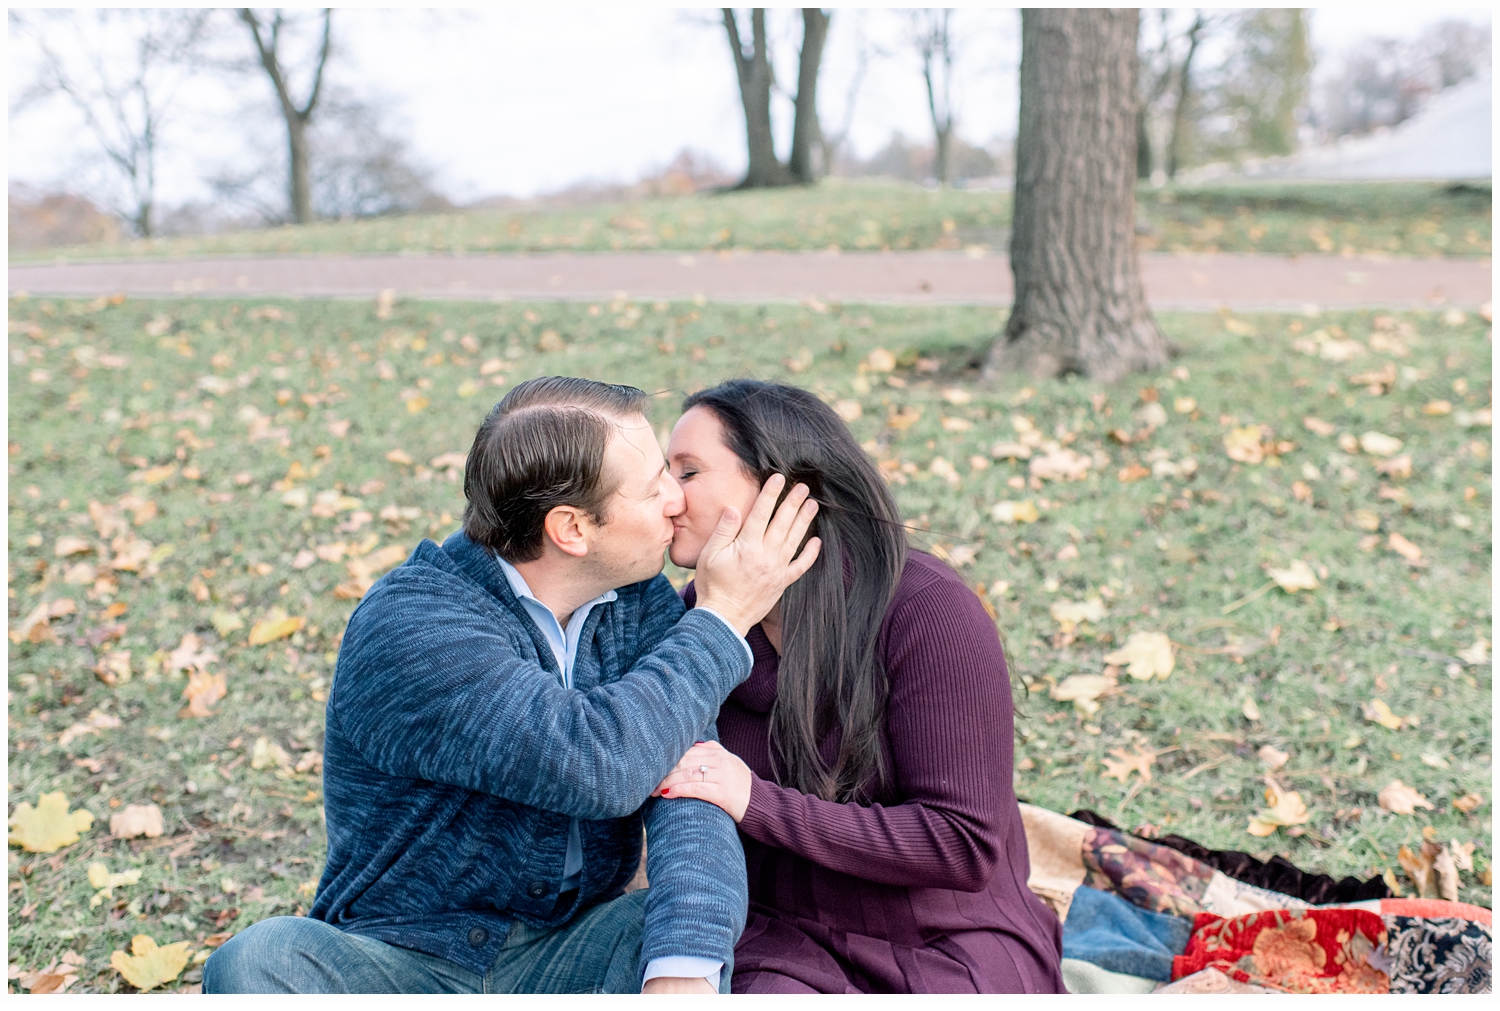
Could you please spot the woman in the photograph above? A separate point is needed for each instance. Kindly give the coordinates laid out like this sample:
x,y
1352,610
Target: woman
x,y
867,758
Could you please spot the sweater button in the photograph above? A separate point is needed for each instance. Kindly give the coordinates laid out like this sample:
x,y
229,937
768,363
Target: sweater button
x,y
478,936
537,890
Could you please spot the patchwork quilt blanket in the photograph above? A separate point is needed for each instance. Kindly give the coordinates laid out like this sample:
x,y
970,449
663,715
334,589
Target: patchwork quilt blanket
x,y
1140,916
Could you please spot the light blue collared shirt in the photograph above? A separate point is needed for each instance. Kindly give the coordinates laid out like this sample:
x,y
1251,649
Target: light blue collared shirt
x,y
564,643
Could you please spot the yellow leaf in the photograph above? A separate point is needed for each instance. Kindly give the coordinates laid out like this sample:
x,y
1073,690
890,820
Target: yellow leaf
x,y
467,388
1398,798
1069,614
1238,327
1286,808
399,456
1083,690
137,820
1273,757
1185,405
155,475
100,877
1010,451
275,625
1405,548
1318,426
1376,711
1015,512
1296,576
49,826
268,753
1251,710
1244,444
1366,519
880,360
1438,407
1379,444
1147,654
416,405
1060,465
149,966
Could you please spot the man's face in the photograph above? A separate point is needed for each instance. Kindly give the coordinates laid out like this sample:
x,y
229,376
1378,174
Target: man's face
x,y
628,547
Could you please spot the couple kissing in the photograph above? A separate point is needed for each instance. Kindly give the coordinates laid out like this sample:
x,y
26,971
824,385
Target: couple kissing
x,y
813,741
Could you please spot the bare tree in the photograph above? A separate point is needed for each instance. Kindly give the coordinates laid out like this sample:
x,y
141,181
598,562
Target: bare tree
x,y
807,133
268,41
124,104
935,44
1079,304
833,144
756,78
1177,143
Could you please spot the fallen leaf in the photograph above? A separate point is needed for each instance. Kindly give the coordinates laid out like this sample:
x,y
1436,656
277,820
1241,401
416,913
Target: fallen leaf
x,y
1318,426
1463,854
1250,710
1145,655
312,761
304,559
149,966
880,360
202,691
1140,761
1132,473
70,545
1397,467
1434,761
1398,798
1185,405
903,417
399,456
1447,872
190,654
1273,758
1476,654
1405,548
226,622
267,753
55,978
96,722
1418,867
100,877
849,410
1302,491
1015,512
1296,576
1060,465
1376,711
1010,451
1379,444
1084,691
1469,802
275,625
137,820
49,826
1244,445
1286,808
1069,614
1438,407
113,667
1366,519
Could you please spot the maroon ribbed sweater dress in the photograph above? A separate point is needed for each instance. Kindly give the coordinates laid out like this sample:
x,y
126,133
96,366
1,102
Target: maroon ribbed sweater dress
x,y
924,891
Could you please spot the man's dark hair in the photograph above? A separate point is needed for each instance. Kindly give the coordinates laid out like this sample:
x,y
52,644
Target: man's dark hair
x,y
541,447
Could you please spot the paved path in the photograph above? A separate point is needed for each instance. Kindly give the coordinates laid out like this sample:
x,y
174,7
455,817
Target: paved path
x,y
1209,281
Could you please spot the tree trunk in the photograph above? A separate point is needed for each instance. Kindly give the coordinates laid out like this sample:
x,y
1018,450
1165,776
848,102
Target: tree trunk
x,y
943,154
1142,145
301,185
754,71
1079,305
1175,152
807,133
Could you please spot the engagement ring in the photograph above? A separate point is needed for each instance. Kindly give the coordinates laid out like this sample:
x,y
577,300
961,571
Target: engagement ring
x,y
703,771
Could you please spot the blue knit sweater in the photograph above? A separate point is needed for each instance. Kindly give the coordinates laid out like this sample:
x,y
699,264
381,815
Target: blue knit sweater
x,y
454,760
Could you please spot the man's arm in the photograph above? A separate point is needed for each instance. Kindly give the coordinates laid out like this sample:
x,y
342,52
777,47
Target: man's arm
x,y
429,687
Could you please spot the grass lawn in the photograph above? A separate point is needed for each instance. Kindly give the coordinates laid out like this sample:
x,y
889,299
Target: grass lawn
x,y
207,486
1406,219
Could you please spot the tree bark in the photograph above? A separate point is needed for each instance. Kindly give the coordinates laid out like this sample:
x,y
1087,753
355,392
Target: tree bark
x,y
1079,305
754,72
807,132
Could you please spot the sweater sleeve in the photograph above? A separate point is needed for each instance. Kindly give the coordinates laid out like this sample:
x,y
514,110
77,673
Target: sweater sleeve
x,y
430,686
949,723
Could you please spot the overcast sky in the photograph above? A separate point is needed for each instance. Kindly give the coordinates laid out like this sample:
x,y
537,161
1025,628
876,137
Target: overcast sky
x,y
522,100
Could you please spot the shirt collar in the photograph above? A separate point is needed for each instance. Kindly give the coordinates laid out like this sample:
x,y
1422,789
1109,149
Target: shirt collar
x,y
523,592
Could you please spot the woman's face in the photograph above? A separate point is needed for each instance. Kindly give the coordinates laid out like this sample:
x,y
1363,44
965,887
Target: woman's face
x,y
712,478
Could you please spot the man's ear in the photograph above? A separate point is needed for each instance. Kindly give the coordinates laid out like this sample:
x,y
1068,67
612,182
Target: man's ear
x,y
566,527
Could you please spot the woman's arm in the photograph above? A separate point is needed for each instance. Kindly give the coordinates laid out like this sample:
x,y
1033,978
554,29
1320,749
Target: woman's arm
x,y
949,723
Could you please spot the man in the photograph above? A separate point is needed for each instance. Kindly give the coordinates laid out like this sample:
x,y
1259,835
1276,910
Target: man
x,y
502,709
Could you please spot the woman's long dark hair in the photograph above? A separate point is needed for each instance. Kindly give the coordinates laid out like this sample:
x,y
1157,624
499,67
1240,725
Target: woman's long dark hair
x,y
831,673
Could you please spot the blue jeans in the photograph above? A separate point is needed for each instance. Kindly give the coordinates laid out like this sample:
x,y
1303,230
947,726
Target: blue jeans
x,y
595,953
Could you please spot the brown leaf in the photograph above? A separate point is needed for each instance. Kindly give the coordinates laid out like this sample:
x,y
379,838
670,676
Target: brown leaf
x,y
136,820
1405,548
1469,802
1139,761
202,691
1418,867
1398,798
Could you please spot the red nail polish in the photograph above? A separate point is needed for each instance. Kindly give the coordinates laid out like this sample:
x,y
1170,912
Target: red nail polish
x,y
666,793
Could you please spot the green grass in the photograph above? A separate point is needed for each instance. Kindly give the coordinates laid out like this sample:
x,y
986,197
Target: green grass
x,y
223,544
1409,219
